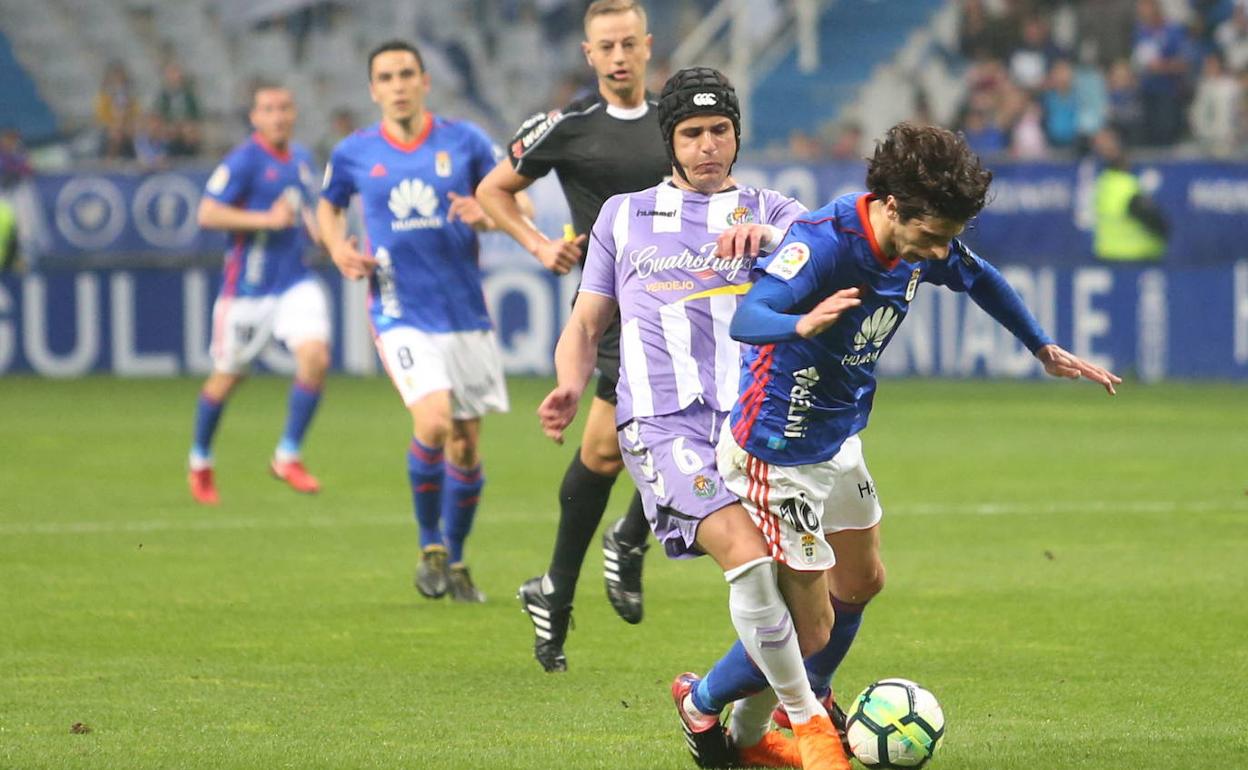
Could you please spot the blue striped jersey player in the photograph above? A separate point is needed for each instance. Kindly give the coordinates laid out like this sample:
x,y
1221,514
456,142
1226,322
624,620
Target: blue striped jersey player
x,y
259,196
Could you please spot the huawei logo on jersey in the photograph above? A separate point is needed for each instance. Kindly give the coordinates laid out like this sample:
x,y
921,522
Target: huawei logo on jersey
x,y
875,329
413,196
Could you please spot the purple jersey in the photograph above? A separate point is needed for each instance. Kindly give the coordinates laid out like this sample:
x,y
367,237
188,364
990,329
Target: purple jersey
x,y
252,177
653,253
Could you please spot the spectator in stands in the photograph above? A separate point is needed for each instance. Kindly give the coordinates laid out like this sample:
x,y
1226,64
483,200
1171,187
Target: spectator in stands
x,y
151,141
1130,227
1126,108
1091,94
1061,108
804,147
1215,108
1108,25
1232,38
116,111
1158,56
178,107
981,34
14,169
983,133
1027,140
1030,62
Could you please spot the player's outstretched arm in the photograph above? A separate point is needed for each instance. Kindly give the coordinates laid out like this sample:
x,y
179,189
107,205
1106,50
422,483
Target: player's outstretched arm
x,y
1062,363
574,361
215,215
500,196
343,250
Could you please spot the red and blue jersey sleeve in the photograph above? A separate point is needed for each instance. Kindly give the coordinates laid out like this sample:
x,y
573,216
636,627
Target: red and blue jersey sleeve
x,y
339,183
231,181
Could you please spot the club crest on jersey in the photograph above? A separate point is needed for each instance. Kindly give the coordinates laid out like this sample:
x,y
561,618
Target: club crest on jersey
x,y
442,163
789,261
414,197
704,487
740,216
808,548
913,286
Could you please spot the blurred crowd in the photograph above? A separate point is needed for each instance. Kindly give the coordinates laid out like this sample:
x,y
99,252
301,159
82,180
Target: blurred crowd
x,y
1042,78
152,133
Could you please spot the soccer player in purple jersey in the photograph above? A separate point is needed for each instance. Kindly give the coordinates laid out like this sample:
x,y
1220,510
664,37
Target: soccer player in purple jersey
x,y
257,195
655,254
824,306
415,174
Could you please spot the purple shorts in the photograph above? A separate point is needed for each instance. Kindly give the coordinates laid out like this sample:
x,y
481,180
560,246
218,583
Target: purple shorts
x,y
672,461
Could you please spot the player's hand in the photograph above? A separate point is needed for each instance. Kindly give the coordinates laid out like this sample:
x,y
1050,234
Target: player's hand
x,y
827,312
466,209
557,411
742,241
351,262
1062,363
561,256
281,214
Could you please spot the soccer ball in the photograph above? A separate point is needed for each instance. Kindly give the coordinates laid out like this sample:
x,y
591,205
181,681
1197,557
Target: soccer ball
x,y
895,723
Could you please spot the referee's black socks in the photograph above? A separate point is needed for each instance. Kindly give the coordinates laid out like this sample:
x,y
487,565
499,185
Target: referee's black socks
x,y
634,528
582,499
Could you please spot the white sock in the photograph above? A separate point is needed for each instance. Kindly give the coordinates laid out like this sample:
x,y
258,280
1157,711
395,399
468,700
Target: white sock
x,y
765,628
198,462
751,716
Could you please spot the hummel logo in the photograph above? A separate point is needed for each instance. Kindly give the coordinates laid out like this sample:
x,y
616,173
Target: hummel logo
x,y
876,328
378,170
412,194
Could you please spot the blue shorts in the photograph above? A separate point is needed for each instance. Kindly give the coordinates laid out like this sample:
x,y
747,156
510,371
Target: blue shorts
x,y
672,461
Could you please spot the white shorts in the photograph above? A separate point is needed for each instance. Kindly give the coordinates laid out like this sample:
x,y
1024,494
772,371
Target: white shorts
x,y
795,506
467,364
243,326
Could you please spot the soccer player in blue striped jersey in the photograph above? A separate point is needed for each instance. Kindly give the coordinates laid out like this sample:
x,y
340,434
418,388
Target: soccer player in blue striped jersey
x,y
415,173
258,195
824,306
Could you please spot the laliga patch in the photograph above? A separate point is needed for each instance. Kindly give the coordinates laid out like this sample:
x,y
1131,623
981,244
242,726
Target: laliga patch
x,y
740,216
221,177
442,163
704,487
789,261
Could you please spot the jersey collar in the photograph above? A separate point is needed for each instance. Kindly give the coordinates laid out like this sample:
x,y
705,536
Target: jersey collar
x,y
415,143
864,202
282,155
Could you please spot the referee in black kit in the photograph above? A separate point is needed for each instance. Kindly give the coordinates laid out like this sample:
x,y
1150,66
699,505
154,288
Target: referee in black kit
x,y
601,145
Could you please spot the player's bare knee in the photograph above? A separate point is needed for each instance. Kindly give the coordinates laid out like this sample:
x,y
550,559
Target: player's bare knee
x,y
312,363
462,451
601,459
861,587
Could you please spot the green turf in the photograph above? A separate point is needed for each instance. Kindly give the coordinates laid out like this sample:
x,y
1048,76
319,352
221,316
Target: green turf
x,y
1065,571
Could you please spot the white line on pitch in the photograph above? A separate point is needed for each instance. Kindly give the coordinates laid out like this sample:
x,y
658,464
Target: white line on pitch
x,y
226,523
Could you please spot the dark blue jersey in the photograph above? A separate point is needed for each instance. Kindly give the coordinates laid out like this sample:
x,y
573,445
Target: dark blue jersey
x,y
428,274
800,399
251,177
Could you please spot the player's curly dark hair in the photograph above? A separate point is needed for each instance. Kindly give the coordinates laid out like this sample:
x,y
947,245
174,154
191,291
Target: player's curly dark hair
x,y
929,171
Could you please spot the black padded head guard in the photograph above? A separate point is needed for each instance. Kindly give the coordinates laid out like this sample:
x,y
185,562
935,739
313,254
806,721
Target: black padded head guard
x,y
697,91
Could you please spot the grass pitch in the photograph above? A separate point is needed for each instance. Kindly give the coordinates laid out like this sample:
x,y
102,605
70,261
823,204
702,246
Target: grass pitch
x,y
1066,573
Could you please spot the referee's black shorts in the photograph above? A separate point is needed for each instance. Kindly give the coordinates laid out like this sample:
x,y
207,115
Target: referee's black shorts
x,y
609,361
